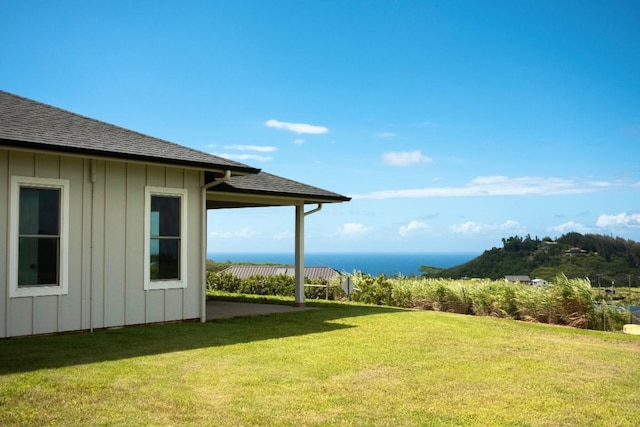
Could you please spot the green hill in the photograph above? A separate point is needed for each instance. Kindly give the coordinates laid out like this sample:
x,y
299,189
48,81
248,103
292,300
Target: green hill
x,y
604,260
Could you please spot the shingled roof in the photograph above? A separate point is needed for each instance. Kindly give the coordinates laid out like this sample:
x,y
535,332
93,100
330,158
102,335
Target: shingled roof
x,y
32,125
29,124
273,185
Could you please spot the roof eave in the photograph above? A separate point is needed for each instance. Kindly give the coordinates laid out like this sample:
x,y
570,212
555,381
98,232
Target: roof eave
x,y
31,146
236,199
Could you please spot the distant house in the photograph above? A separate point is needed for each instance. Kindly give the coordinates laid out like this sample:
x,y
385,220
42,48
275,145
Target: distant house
x,y
101,226
310,273
575,251
518,279
539,282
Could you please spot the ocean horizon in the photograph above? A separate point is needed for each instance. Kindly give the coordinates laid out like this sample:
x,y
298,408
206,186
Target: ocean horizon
x,y
373,263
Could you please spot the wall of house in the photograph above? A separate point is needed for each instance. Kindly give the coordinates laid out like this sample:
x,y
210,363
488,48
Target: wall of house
x,y
106,276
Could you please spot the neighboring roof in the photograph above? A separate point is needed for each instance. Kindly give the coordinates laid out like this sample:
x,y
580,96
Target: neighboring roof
x,y
267,184
516,278
29,124
311,273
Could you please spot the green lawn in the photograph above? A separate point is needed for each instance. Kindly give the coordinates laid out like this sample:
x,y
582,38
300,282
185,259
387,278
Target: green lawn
x,y
340,365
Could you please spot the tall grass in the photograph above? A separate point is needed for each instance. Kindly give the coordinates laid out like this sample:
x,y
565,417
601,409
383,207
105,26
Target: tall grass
x,y
565,301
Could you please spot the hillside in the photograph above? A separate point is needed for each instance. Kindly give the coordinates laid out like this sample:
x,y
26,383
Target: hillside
x,y
603,259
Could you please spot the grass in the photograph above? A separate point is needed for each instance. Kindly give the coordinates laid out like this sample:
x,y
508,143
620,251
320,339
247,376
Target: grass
x,y
343,365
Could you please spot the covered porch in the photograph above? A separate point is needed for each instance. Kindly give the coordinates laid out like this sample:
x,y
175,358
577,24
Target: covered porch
x,y
228,309
267,190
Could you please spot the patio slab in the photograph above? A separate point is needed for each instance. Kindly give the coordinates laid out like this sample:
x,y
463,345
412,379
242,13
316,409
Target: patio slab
x,y
227,309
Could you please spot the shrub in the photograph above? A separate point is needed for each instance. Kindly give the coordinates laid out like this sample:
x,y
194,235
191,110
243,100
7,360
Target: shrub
x,y
277,285
223,282
280,284
378,290
325,289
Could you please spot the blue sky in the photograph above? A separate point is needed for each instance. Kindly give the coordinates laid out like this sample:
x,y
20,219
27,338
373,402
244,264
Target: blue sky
x,y
452,124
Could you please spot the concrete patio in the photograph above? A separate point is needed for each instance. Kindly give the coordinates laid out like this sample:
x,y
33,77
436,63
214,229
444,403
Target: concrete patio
x,y
227,309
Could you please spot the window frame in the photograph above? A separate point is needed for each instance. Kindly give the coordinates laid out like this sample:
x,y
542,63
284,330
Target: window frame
x,y
180,193
62,288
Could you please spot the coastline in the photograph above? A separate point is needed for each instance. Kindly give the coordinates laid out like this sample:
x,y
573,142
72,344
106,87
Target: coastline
x,y
374,263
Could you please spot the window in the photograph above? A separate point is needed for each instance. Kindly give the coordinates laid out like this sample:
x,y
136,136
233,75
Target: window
x,y
38,246
165,238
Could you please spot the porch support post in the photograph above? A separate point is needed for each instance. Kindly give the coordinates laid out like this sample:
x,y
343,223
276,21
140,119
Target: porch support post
x,y
299,257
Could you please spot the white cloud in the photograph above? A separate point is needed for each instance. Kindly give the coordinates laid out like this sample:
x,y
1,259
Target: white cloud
x,y
571,226
405,158
496,186
296,127
298,141
412,228
242,157
620,220
353,229
244,233
259,148
471,227
384,134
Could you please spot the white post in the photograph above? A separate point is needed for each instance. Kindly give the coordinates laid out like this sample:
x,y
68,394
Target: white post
x,y
203,255
299,257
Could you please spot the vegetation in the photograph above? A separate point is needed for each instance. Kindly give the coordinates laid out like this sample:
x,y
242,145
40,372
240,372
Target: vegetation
x,y
342,365
275,285
570,302
604,260
578,267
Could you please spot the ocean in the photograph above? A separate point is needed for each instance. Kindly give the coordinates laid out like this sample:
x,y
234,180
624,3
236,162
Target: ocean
x,y
373,263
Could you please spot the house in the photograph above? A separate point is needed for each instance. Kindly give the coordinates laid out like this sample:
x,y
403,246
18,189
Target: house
x,y
102,226
575,251
518,279
539,282
310,273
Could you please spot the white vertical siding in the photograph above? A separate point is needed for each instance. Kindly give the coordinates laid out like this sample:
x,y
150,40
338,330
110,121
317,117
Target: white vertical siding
x,y
20,311
105,247
135,296
96,249
193,293
114,293
70,305
84,262
45,314
4,253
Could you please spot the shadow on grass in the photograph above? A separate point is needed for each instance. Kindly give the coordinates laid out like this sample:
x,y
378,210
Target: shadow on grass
x,y
50,352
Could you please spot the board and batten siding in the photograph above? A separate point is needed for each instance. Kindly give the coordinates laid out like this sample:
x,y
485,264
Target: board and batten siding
x,y
106,246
